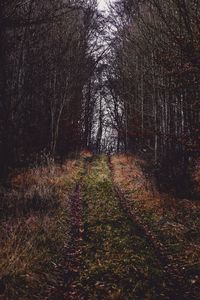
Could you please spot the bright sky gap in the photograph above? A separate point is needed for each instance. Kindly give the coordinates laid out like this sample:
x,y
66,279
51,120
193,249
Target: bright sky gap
x,y
102,4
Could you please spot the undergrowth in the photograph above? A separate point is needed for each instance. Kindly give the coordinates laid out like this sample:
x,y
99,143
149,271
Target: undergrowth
x,y
35,229
175,222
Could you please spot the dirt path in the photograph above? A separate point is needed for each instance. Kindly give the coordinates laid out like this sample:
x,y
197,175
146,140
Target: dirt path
x,y
106,248
116,261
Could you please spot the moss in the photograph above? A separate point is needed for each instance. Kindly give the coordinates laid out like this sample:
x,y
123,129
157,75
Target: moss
x,y
117,261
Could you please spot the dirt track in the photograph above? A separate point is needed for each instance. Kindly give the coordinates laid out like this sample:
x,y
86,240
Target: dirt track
x,y
112,254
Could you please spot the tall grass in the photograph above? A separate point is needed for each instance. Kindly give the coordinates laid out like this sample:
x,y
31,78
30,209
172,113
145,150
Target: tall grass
x,y
175,222
34,229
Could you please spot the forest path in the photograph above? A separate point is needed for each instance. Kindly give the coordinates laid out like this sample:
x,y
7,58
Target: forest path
x,y
117,261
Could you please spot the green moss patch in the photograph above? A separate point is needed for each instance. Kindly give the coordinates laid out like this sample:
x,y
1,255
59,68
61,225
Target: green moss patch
x,y
118,262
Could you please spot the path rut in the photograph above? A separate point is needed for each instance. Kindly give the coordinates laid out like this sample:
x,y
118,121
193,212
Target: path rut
x,y
117,261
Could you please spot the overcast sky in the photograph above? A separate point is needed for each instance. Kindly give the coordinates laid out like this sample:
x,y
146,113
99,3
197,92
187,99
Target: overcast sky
x,y
102,4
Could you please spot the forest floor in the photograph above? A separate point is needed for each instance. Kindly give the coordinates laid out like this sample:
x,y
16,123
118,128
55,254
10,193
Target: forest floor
x,y
97,228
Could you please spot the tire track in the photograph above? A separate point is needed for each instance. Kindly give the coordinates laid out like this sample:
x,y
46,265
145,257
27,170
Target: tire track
x,y
72,263
180,289
118,262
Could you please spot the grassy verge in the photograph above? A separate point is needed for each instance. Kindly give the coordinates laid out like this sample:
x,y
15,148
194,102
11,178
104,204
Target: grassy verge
x,y
117,261
175,222
34,229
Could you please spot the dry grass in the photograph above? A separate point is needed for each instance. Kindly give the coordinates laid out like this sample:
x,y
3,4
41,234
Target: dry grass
x,y
86,154
39,189
34,228
50,175
176,222
128,174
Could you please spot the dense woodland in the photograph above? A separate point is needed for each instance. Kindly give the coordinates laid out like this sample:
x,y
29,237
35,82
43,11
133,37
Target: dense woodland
x,y
73,78
99,150
47,82
154,80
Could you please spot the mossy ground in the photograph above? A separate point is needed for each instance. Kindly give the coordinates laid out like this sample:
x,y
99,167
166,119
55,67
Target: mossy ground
x,y
118,263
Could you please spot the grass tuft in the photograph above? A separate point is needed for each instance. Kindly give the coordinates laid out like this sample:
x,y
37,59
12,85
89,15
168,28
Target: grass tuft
x,y
175,222
35,229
